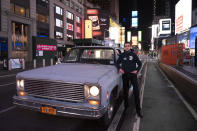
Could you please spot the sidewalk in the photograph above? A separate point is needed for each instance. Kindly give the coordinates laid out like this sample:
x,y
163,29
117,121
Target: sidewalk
x,y
162,108
190,71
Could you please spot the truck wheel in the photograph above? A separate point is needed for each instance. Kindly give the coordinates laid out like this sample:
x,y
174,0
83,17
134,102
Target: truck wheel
x,y
106,119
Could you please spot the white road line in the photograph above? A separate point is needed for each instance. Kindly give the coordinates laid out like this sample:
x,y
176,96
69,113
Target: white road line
x,y
136,125
189,107
8,75
8,109
8,84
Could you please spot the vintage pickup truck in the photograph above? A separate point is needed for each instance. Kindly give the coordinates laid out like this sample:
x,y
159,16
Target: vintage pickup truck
x,y
85,85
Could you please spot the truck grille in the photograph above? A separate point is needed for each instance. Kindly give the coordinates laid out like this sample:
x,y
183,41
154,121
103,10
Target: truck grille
x,y
55,90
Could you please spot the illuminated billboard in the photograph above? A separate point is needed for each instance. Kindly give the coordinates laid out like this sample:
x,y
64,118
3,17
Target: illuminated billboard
x,y
114,34
134,14
134,22
193,34
100,23
134,41
128,36
139,36
164,26
183,16
88,29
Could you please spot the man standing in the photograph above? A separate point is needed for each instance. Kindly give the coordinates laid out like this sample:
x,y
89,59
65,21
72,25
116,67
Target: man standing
x,y
128,61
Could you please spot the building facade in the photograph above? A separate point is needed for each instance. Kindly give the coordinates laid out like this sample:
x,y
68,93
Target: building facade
x,y
60,20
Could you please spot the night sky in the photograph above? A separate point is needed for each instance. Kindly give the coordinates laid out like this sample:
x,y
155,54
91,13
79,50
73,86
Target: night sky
x,y
145,8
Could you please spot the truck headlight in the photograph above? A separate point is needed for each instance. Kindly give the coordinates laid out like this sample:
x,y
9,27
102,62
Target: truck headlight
x,y
94,91
20,84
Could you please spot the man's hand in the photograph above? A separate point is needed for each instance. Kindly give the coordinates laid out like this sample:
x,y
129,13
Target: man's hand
x,y
134,72
121,71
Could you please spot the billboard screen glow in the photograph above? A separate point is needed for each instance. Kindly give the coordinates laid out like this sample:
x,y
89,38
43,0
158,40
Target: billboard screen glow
x,y
165,26
183,15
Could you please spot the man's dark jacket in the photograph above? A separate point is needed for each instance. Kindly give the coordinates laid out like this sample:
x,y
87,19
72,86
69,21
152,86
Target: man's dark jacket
x,y
127,61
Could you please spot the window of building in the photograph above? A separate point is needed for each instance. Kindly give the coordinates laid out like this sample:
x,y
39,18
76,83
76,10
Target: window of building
x,y
67,2
45,1
69,27
78,20
69,15
58,10
42,18
58,35
77,8
71,5
69,37
80,1
19,10
80,10
58,22
79,30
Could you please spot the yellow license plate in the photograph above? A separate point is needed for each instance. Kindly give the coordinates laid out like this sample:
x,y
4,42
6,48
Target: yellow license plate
x,y
48,110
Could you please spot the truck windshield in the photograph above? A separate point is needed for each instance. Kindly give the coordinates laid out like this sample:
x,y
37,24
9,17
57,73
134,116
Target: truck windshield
x,y
91,56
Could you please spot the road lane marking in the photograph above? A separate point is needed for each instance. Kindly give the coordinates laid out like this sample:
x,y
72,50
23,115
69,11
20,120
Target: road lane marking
x,y
8,84
189,107
8,75
136,125
8,109
114,124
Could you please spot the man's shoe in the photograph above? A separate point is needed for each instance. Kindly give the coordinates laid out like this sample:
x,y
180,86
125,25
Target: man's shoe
x,y
139,113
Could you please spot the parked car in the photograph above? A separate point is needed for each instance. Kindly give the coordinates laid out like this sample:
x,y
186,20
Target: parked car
x,y
85,85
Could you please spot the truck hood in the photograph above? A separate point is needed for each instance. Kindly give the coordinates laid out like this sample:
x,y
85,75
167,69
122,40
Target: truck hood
x,y
69,72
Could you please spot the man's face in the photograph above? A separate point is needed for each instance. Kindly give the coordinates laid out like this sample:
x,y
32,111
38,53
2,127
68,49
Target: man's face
x,y
127,47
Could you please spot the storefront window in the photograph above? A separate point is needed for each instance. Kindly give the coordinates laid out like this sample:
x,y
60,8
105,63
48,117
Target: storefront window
x,y
42,18
19,36
58,23
69,15
58,35
59,10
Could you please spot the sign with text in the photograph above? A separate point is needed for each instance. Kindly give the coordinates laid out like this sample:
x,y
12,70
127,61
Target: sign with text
x,y
183,16
46,47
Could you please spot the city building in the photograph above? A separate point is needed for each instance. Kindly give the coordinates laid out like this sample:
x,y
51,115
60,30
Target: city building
x,y
59,20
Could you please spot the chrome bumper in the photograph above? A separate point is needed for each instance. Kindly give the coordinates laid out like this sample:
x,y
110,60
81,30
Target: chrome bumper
x,y
63,109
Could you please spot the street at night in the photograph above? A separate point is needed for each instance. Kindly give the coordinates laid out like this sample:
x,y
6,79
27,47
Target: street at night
x,y
98,65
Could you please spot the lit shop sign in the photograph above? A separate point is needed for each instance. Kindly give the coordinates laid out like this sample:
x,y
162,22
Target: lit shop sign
x,y
193,34
155,31
92,14
114,34
134,40
46,47
88,29
183,16
128,36
165,26
139,36
134,14
134,19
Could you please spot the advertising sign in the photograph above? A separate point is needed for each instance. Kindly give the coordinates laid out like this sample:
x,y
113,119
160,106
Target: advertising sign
x,y
16,63
139,36
134,22
128,36
100,23
88,29
164,26
183,16
134,14
134,40
193,34
46,47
